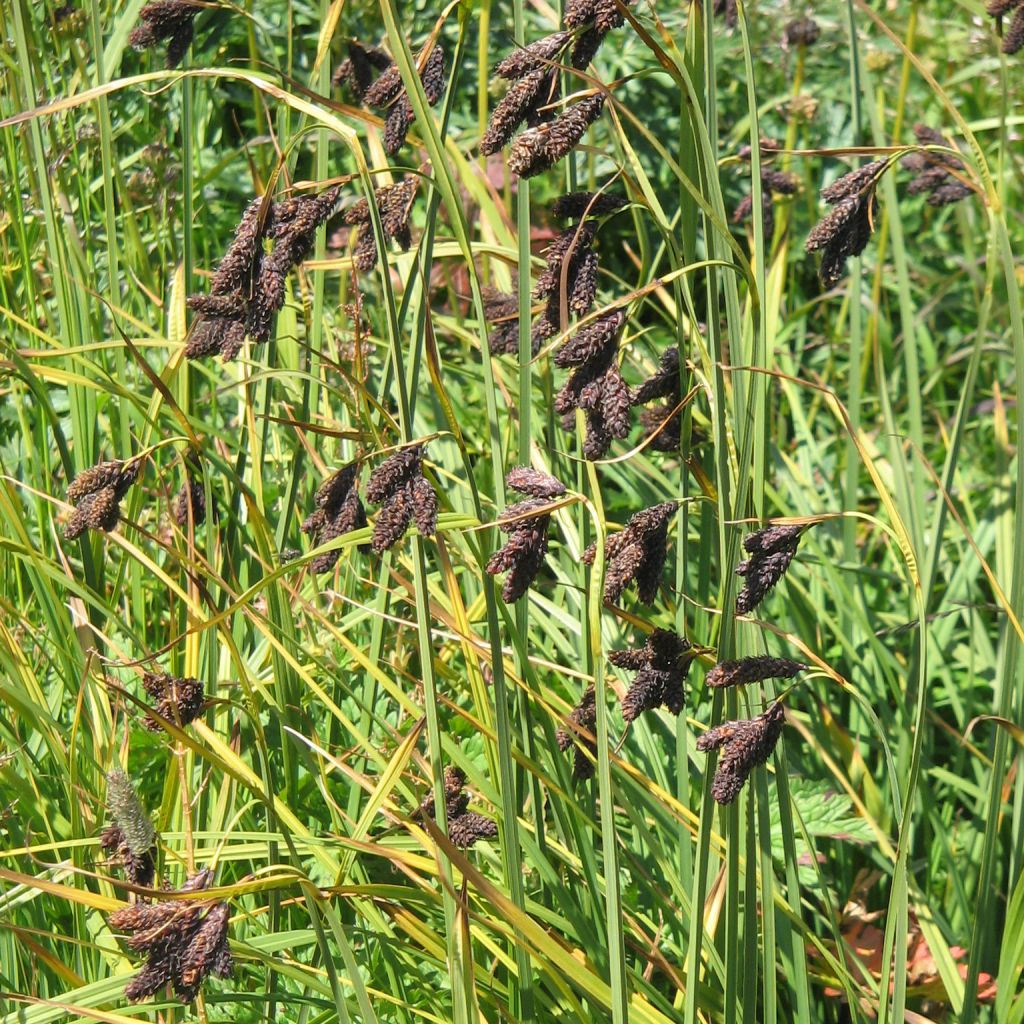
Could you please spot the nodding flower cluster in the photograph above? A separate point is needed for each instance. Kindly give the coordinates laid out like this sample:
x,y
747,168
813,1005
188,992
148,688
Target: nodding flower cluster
x,y
744,745
747,744
538,149
179,700
846,229
356,71
465,827
935,173
661,666
338,511
394,203
131,839
637,553
771,550
662,424
501,310
578,732
398,485
526,523
190,501
773,182
248,288
165,19
1013,39
388,92
185,941
96,494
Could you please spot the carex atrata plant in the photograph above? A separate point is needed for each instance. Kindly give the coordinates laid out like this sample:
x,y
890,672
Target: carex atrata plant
x,y
405,496
96,494
743,745
660,665
579,733
165,20
338,511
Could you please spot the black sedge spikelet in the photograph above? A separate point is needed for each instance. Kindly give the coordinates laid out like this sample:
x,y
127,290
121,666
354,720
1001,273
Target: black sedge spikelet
x,y
385,88
397,124
179,700
637,553
513,110
190,502
338,511
356,71
577,205
578,12
531,481
538,149
744,745
935,172
522,556
663,383
165,19
846,230
502,311
139,869
399,487
97,492
580,726
185,941
661,666
771,550
465,827
538,54
573,245
744,671
586,47
593,341
607,15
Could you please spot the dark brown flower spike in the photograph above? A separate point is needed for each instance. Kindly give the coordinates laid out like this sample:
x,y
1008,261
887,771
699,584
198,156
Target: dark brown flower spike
x,y
744,745
637,553
96,493
744,671
538,149
388,91
1013,39
185,941
338,511
502,311
661,666
465,827
190,501
802,32
405,496
356,71
581,725
771,550
846,230
169,20
522,101
179,700
538,54
522,557
935,172
576,205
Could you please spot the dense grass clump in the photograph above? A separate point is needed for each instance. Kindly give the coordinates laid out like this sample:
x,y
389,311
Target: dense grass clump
x,y
511,512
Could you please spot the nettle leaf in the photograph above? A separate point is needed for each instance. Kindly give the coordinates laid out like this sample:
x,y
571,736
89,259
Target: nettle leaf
x,y
827,814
